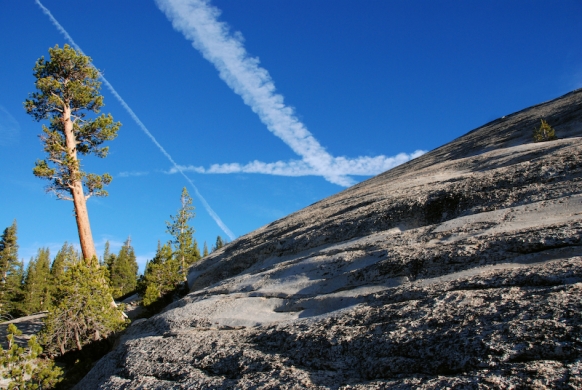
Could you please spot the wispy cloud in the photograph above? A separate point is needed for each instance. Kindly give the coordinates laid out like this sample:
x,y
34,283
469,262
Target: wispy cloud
x,y
362,166
207,207
9,128
198,21
132,173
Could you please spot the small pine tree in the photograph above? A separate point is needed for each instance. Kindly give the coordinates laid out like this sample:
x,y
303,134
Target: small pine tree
x,y
205,250
151,295
108,257
123,272
23,368
162,275
14,293
220,242
10,272
544,133
37,283
193,253
82,310
185,247
66,256
106,254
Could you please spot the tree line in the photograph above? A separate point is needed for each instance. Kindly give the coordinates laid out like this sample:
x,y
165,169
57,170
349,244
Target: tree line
x,y
77,297
76,289
38,287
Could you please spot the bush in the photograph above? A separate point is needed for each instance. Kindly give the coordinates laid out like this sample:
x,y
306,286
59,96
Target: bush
x,y
544,133
23,367
82,310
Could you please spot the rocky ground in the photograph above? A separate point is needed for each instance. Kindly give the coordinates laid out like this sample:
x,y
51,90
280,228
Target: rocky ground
x,y
460,269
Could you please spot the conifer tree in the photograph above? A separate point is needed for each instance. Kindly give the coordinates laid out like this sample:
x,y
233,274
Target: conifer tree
x,y
82,310
10,272
162,275
66,256
37,284
220,242
106,254
185,247
544,133
194,252
123,273
67,90
23,367
14,293
205,251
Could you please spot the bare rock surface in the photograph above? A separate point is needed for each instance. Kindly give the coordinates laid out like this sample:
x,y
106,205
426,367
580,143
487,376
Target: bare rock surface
x,y
28,325
459,269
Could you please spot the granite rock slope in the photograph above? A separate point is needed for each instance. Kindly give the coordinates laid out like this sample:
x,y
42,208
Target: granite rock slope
x,y
460,269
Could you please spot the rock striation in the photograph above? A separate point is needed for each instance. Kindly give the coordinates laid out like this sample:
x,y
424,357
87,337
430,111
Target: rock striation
x,y
459,269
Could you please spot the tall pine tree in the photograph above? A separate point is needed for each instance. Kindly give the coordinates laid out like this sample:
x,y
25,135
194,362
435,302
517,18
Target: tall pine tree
x,y
67,94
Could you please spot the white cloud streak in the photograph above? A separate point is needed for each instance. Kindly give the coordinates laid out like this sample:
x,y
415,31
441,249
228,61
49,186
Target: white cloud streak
x,y
361,166
207,207
198,21
132,174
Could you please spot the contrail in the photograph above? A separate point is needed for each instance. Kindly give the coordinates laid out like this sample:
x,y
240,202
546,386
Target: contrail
x,y
209,209
198,21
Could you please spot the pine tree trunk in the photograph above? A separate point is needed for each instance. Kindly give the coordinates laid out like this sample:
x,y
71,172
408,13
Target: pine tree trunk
x,y
184,269
81,213
82,219
2,289
77,340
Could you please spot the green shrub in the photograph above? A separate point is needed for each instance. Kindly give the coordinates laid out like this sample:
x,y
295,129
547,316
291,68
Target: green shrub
x,y
82,310
24,368
544,133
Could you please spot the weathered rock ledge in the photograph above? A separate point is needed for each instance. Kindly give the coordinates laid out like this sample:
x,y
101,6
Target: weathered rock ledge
x,y
462,268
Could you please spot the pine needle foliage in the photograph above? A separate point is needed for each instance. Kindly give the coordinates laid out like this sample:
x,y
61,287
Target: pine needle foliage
x,y
68,82
23,367
82,310
220,242
185,246
67,255
11,274
67,95
161,277
544,133
38,283
123,271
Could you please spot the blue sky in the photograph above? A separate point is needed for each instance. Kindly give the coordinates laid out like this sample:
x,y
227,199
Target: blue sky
x,y
268,106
